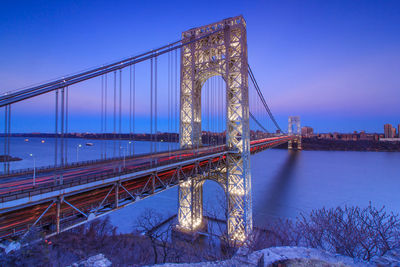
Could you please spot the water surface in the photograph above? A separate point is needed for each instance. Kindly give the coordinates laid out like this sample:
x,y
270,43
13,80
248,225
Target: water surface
x,y
284,183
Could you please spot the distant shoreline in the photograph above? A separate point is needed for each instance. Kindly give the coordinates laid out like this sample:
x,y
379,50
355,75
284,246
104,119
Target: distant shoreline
x,y
308,143
6,158
314,144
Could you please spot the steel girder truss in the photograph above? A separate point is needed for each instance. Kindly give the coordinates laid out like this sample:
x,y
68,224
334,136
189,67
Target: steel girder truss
x,y
223,53
67,211
294,121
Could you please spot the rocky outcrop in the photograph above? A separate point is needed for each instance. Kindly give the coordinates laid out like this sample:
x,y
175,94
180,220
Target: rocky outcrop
x,y
299,256
271,257
280,256
94,261
391,258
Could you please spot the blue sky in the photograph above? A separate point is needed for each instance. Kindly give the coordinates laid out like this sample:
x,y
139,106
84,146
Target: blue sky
x,y
334,63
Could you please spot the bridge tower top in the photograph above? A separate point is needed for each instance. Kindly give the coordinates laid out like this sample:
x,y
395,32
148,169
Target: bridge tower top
x,y
203,30
294,121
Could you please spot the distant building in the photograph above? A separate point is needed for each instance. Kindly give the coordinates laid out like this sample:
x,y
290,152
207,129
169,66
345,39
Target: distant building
x,y
398,131
307,131
364,136
393,132
388,130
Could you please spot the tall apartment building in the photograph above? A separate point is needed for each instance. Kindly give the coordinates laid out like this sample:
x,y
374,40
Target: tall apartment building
x,y
307,131
394,135
388,130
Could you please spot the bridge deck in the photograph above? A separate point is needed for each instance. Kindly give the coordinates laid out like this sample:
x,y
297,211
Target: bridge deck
x,y
89,190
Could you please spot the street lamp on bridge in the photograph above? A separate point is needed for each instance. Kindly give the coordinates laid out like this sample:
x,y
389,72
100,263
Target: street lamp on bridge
x,y
34,168
123,151
77,152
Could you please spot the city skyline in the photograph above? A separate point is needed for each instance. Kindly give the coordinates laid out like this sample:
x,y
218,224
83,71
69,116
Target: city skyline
x,y
333,64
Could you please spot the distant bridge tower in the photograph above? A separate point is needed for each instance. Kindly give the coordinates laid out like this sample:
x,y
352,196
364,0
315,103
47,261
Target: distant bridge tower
x,y
294,121
223,53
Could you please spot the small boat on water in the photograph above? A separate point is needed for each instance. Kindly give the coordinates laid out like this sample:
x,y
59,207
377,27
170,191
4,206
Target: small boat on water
x,y
89,144
26,140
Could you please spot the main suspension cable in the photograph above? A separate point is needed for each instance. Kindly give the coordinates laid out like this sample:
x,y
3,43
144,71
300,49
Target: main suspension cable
x,y
253,79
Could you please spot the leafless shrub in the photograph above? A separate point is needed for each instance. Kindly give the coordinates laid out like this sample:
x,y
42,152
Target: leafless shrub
x,y
149,222
275,233
352,231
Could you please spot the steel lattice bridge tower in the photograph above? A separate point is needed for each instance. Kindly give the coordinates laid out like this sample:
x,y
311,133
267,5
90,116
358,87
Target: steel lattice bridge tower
x,y
66,194
223,54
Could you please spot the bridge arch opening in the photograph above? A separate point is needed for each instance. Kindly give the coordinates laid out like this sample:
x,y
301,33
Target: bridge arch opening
x,y
215,206
213,111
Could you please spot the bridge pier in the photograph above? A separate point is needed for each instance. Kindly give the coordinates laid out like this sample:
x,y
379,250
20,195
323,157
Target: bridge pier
x,y
190,213
294,121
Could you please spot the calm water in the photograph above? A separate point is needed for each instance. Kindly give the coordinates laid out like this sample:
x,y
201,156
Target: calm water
x,y
43,150
284,183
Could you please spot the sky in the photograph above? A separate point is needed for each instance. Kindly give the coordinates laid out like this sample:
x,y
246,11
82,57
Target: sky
x,y
336,64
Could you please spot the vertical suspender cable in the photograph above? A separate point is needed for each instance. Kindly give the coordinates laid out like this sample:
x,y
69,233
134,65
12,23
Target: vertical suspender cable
x,y
115,112
120,113
105,117
207,116
220,111
215,111
102,116
210,106
216,108
133,108
9,137
151,109
66,125
62,125
169,101
5,136
221,90
177,104
7,132
130,109
155,105
56,132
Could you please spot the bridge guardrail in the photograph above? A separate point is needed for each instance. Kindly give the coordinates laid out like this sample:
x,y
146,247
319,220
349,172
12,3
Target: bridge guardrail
x,y
76,164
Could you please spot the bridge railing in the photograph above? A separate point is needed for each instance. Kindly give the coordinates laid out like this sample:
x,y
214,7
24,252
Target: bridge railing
x,y
79,164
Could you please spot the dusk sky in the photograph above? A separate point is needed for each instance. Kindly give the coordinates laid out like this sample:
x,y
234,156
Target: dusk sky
x,y
334,63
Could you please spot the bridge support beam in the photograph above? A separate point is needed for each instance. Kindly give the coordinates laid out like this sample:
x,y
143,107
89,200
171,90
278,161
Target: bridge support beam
x,y
117,195
222,53
190,213
58,210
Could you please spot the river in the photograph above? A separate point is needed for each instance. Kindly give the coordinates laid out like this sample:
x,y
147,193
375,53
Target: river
x,y
284,183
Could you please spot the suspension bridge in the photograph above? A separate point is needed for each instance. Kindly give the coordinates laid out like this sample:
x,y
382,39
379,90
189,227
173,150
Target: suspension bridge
x,y
198,93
